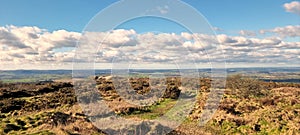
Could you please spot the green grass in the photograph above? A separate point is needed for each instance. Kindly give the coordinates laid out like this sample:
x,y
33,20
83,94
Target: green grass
x,y
155,111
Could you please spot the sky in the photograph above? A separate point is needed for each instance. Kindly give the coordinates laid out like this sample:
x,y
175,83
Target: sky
x,y
44,34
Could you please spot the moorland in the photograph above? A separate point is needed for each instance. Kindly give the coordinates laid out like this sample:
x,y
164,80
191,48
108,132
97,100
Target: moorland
x,y
249,105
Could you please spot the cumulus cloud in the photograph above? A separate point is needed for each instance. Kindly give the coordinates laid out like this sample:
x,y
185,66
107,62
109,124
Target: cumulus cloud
x,y
187,47
32,45
217,29
292,7
287,31
247,33
163,10
36,47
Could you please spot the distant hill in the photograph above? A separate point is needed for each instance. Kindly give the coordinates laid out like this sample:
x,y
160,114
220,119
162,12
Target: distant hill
x,y
276,74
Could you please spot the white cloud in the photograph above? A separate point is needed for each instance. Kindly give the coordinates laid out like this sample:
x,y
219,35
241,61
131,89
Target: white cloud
x,y
287,31
186,47
158,9
217,29
163,10
247,33
37,47
32,45
292,7
119,38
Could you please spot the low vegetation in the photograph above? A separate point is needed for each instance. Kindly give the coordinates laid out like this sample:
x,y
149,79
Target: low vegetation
x,y
245,87
248,106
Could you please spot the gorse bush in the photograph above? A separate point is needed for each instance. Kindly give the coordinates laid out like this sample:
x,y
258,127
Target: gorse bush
x,y
245,87
3,84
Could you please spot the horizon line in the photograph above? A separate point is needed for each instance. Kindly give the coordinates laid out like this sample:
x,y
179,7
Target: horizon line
x,y
156,68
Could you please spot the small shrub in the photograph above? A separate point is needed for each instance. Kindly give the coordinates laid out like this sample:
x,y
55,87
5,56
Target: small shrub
x,y
245,87
1,84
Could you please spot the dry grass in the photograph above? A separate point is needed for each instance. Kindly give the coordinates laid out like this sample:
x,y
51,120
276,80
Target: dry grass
x,y
53,109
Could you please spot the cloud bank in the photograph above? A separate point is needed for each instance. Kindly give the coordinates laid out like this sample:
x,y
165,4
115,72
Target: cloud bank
x,y
33,47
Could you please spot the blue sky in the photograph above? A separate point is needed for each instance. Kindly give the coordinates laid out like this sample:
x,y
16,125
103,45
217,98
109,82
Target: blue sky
x,y
241,14
43,34
231,16
50,14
